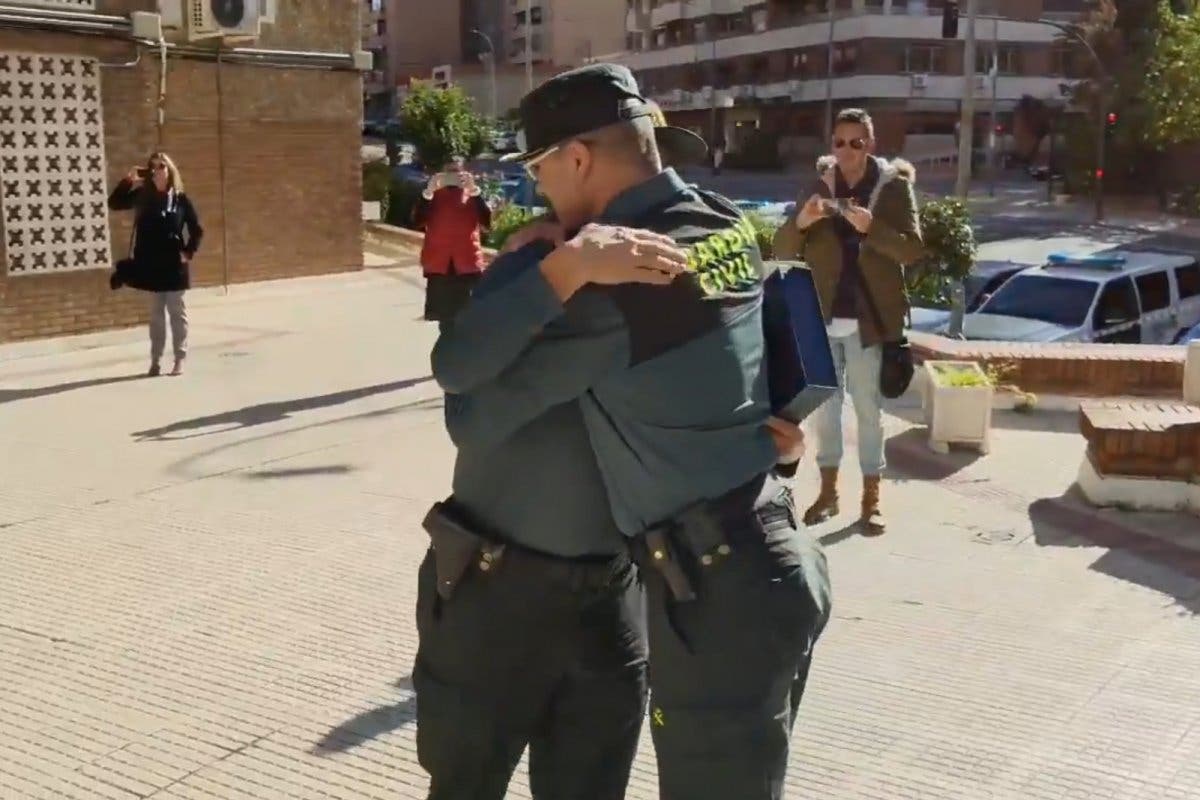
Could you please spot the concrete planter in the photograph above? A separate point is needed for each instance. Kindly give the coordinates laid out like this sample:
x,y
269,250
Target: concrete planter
x,y
958,405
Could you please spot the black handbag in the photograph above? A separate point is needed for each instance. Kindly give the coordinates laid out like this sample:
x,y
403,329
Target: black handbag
x,y
896,368
128,272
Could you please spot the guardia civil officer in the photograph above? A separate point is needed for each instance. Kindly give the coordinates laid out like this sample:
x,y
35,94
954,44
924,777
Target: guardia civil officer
x,y
670,381
530,615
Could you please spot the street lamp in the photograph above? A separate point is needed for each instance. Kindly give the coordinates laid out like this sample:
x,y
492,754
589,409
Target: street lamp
x,y
491,65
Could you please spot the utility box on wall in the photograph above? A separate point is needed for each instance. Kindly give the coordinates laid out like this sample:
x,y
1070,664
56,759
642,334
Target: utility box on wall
x,y
200,20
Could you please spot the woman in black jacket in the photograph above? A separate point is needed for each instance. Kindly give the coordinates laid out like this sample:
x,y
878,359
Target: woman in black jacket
x,y
166,236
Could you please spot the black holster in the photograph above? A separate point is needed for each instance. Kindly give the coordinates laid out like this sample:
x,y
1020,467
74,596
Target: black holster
x,y
456,546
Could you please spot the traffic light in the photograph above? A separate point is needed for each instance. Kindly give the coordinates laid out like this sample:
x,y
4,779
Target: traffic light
x,y
950,20
1110,124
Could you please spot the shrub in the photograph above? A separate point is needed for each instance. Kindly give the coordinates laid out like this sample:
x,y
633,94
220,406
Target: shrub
x,y
949,251
507,218
377,184
764,234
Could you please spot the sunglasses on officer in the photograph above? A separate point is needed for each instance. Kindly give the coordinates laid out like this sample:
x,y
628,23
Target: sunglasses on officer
x,y
532,166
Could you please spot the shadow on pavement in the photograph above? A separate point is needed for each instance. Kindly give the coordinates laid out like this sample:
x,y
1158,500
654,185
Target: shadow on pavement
x,y
13,395
184,467
1036,421
909,456
266,413
299,472
370,725
1133,556
839,536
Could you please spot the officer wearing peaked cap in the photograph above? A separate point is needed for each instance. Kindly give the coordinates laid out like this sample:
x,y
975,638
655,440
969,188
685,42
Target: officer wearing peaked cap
x,y
669,377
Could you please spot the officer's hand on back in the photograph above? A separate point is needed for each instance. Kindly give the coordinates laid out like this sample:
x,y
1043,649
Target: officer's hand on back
x,y
788,438
539,229
610,255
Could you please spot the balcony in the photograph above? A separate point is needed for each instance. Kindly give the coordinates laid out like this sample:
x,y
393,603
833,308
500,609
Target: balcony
x,y
934,91
873,25
698,9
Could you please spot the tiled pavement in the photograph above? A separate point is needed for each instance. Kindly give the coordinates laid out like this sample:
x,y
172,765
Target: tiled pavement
x,y
206,585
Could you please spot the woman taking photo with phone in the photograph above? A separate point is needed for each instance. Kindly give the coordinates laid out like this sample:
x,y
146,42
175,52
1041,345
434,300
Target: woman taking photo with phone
x,y
166,235
453,214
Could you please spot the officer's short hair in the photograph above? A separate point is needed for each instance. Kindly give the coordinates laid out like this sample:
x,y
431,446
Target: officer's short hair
x,y
856,116
633,138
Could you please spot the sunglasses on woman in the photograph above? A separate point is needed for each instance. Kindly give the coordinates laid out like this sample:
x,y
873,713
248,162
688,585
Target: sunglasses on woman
x,y
854,144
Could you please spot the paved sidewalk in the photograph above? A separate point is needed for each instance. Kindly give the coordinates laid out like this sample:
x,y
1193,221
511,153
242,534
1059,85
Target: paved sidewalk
x,y
207,584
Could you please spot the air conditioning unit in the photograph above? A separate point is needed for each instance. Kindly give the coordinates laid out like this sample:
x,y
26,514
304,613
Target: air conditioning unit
x,y
442,77
235,19
920,81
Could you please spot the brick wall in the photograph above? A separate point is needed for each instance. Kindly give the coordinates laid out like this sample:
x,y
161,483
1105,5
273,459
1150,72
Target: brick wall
x,y
290,145
1079,370
1159,440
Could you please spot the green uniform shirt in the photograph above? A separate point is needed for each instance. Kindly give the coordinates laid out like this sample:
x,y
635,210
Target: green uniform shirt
x,y
670,381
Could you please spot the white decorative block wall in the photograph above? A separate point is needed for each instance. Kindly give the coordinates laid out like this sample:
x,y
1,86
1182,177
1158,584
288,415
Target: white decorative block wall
x,y
53,188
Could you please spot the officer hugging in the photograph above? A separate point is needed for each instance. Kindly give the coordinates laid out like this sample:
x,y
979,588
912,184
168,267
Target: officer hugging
x,y
620,528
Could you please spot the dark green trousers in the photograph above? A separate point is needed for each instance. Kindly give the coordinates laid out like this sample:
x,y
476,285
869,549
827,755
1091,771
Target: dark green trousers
x,y
531,654
727,670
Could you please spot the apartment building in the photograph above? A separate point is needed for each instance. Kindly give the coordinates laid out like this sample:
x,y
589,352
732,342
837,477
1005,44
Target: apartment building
x,y
378,94
563,33
422,37
728,67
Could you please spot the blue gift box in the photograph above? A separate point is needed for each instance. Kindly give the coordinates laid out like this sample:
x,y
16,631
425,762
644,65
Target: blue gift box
x,y
800,369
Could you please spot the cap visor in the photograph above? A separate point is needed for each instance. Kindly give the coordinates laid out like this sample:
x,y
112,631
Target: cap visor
x,y
520,158
683,146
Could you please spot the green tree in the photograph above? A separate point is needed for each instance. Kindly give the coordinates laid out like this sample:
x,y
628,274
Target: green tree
x,y
1173,79
441,124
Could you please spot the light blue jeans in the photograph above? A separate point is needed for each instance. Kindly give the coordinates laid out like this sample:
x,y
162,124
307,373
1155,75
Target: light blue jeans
x,y
858,375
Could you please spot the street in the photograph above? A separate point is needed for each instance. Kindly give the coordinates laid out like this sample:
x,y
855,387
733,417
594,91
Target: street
x,y
207,583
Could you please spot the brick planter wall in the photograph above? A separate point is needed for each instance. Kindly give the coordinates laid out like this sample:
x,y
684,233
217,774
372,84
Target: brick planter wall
x,y
1081,370
1147,440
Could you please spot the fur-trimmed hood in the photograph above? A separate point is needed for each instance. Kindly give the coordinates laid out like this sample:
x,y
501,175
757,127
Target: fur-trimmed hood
x,y
889,170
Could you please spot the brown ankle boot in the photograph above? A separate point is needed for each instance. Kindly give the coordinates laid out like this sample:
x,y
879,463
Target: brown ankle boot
x,y
873,522
826,506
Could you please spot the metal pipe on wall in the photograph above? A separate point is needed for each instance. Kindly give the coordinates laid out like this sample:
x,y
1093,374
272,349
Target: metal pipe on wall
x,y
221,176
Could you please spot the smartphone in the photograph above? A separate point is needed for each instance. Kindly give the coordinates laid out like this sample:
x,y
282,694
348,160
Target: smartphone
x,y
143,172
835,205
451,178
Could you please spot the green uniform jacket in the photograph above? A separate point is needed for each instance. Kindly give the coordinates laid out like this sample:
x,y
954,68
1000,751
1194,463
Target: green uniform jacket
x,y
671,381
892,243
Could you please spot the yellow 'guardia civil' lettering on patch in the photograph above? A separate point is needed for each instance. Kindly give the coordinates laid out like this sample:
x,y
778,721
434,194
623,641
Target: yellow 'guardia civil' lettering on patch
x,y
726,262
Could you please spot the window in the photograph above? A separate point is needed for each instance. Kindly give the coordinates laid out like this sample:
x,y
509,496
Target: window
x,y
758,20
1059,301
1155,291
1062,61
697,31
53,186
381,27
845,59
1008,60
921,58
1188,279
518,19
1118,305
535,15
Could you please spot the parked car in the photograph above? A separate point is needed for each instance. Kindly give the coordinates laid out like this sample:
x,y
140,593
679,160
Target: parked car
x,y
1116,296
984,279
1189,335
